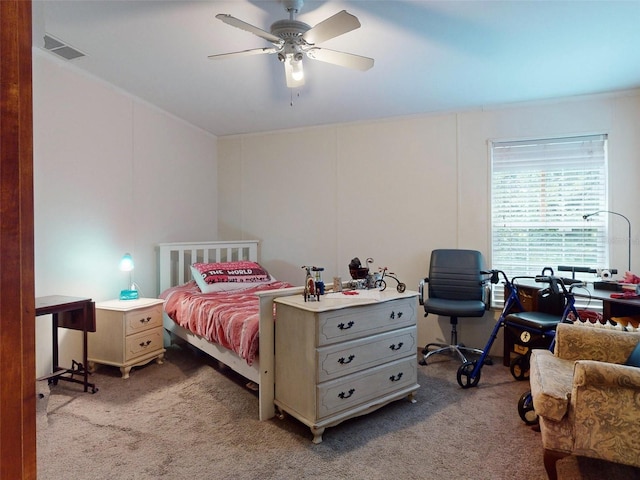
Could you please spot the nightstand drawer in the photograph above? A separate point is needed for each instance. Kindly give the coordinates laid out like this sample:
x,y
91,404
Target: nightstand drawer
x,y
351,323
145,342
347,392
350,357
143,319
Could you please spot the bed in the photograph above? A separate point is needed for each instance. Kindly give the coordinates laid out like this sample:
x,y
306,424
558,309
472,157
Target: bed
x,y
174,270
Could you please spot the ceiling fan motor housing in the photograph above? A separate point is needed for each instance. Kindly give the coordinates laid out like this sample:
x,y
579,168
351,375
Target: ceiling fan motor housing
x,y
291,32
286,29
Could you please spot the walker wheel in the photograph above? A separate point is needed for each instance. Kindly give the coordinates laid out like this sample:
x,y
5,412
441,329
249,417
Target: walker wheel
x,y
465,372
401,287
520,368
525,409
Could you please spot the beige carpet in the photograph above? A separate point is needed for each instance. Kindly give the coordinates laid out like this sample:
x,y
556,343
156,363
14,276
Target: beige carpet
x,y
184,419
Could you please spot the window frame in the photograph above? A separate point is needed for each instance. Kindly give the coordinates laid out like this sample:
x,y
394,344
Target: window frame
x,y
561,168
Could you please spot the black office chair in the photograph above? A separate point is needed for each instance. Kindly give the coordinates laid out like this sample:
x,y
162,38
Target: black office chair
x,y
456,288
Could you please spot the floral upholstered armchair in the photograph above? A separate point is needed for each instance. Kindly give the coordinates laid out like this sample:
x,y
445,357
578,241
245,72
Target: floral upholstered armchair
x,y
586,398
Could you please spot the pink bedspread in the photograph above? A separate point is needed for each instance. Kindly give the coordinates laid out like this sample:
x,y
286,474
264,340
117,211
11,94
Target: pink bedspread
x,y
231,319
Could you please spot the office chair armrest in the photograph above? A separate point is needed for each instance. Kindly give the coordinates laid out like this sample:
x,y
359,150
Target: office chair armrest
x,y
486,295
421,290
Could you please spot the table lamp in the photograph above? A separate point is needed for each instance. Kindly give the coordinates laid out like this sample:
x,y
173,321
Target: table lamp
x,y
126,265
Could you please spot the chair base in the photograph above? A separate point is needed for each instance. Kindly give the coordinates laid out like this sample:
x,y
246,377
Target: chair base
x,y
447,348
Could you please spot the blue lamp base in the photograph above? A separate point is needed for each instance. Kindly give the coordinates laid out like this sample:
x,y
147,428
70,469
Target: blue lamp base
x,y
128,294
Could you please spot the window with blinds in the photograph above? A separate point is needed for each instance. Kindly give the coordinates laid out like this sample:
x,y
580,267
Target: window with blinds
x,y
540,190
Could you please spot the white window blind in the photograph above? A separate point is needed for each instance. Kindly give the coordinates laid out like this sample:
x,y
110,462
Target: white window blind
x,y
540,190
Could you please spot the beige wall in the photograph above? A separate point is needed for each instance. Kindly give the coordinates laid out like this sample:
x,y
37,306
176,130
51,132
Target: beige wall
x,y
112,174
396,189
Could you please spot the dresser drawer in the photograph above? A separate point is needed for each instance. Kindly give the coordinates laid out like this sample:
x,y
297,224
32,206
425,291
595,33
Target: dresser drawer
x,y
141,343
345,358
143,319
348,392
351,323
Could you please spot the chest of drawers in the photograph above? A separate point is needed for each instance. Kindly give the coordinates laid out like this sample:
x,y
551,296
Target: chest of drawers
x,y
128,333
344,356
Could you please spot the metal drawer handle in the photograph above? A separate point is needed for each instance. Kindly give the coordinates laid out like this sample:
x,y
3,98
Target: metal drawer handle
x,y
346,395
145,320
393,315
145,344
349,360
342,326
394,347
395,378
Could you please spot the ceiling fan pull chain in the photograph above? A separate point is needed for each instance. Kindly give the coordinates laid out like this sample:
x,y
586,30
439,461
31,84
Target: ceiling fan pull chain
x,y
291,94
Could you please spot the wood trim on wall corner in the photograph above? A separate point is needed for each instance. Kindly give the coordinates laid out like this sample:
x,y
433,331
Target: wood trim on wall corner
x,y
17,298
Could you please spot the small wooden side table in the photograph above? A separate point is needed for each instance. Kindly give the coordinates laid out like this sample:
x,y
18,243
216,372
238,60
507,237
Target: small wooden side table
x,y
75,313
129,333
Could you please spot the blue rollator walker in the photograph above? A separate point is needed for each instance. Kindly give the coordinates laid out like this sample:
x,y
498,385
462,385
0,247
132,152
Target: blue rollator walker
x,y
529,323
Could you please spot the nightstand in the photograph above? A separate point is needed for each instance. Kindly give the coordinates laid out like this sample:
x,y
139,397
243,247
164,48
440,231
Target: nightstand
x,y
128,334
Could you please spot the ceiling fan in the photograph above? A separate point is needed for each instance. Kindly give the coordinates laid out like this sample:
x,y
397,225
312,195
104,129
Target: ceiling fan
x,y
293,39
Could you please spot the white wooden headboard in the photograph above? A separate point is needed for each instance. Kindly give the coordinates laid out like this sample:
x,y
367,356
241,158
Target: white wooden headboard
x,y
174,259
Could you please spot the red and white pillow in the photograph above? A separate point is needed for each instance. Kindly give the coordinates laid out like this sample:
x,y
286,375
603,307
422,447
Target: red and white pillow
x,y
229,276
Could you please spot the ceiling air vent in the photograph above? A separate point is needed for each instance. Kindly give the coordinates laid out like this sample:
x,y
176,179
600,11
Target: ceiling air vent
x,y
59,48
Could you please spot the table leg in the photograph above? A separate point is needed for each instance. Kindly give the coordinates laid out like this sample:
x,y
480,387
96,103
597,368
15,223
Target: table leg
x,y
54,336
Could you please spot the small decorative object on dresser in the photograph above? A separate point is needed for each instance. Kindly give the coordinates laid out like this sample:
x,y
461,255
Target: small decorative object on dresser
x,y
345,356
128,334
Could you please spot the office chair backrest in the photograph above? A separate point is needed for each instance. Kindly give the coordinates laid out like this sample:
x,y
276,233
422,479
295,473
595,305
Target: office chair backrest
x,y
454,274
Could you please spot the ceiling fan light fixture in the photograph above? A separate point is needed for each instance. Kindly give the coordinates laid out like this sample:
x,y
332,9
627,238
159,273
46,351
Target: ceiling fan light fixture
x,y
297,72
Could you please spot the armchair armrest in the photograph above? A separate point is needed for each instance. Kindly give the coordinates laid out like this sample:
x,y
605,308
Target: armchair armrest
x,y
605,375
578,342
605,407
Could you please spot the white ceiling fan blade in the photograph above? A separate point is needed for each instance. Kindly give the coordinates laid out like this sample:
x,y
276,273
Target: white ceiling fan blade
x,y
348,60
243,53
341,22
234,22
288,72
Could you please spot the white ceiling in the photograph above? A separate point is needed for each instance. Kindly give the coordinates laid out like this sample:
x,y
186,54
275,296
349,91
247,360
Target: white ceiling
x,y
430,56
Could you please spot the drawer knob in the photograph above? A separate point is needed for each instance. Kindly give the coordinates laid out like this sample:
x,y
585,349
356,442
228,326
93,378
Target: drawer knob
x,y
342,326
395,347
395,378
145,320
346,395
145,344
344,361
